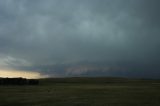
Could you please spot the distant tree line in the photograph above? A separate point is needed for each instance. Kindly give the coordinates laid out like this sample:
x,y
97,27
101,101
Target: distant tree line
x,y
18,81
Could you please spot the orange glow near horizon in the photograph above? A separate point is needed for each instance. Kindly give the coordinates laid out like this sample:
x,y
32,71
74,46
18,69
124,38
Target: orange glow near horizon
x,y
17,73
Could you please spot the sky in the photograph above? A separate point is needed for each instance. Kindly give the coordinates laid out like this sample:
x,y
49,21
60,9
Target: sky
x,y
69,38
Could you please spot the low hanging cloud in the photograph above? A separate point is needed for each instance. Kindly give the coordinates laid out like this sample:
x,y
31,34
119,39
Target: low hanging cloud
x,y
81,37
20,73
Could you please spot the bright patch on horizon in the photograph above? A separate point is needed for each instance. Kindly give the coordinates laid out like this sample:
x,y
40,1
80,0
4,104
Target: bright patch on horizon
x,y
17,73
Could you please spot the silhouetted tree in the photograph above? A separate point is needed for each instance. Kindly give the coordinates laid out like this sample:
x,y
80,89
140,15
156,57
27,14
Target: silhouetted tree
x,y
18,81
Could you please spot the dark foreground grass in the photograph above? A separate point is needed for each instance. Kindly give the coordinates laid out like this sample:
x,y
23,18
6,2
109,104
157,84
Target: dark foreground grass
x,y
123,93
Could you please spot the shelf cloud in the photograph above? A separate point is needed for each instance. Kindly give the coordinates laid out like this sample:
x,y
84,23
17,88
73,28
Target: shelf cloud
x,y
81,37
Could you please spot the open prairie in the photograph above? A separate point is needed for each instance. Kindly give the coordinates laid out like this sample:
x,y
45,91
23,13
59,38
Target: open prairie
x,y
83,92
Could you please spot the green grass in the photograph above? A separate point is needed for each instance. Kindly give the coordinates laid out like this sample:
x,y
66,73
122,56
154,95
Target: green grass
x,y
83,92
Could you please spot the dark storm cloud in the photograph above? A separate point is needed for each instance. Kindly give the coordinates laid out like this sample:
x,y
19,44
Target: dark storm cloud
x,y
81,37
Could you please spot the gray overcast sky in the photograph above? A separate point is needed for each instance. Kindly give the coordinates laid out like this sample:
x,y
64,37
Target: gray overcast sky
x,y
81,37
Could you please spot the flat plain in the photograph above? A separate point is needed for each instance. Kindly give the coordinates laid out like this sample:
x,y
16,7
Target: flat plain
x,y
83,92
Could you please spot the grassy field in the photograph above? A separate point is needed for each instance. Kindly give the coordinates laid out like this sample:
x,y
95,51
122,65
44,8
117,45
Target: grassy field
x,y
83,92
